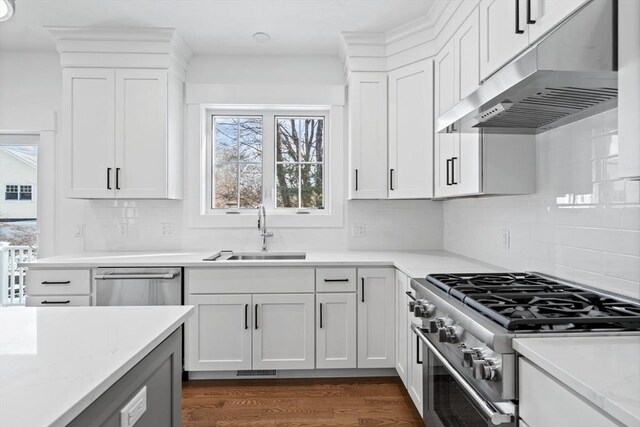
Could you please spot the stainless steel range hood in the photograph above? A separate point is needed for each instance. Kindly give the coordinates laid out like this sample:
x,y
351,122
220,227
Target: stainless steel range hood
x,y
569,75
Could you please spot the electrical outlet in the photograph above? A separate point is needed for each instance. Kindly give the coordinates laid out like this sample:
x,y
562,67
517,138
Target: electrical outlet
x,y
358,230
166,229
506,239
79,231
123,228
134,409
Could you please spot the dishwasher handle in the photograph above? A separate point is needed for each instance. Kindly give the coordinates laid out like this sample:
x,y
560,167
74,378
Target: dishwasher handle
x,y
143,276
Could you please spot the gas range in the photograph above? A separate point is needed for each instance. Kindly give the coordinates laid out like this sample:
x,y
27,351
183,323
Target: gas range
x,y
467,322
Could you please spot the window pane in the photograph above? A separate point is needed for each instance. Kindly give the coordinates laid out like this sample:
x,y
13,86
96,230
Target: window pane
x,y
250,140
311,191
226,186
287,140
300,139
225,140
287,186
250,185
237,162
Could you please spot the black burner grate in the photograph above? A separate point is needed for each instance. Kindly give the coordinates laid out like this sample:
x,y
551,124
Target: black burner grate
x,y
527,301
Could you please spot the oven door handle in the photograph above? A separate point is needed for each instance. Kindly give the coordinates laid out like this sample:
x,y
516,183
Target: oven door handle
x,y
488,408
163,276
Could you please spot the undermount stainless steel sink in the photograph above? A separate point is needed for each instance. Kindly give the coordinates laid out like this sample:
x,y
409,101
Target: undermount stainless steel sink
x,y
255,256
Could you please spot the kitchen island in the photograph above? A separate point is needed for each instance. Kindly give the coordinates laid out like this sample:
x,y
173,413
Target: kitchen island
x,y
82,365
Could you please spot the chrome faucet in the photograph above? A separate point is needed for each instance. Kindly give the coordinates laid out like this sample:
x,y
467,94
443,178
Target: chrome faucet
x,y
262,226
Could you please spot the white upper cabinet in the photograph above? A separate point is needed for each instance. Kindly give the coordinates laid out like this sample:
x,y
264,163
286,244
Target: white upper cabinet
x,y
124,133
411,131
629,89
543,15
89,106
141,134
466,43
445,86
445,150
368,135
503,33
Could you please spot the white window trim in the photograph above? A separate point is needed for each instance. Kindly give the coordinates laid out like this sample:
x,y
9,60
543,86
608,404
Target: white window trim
x,y
198,210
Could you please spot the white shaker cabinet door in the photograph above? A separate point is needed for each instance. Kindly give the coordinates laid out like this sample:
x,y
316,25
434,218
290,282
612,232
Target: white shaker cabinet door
x,y
411,131
543,15
503,33
336,330
368,135
218,335
283,334
376,318
467,164
467,56
141,134
414,377
444,88
446,148
402,325
89,106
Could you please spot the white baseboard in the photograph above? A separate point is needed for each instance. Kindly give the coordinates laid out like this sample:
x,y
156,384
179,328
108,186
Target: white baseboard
x,y
311,373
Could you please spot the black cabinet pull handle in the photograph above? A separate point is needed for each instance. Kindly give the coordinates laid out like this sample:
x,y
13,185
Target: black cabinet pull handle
x,y
362,289
418,361
356,179
391,180
246,316
518,30
117,178
529,20
55,302
108,178
320,315
256,315
335,280
453,171
66,282
448,166
410,296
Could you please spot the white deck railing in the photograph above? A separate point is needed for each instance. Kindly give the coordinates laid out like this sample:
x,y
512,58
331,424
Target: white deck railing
x,y
11,275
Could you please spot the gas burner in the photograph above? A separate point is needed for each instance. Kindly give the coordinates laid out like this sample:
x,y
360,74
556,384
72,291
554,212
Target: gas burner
x,y
527,301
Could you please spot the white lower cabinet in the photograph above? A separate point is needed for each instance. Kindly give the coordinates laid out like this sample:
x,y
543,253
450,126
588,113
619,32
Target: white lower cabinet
x,y
283,335
414,371
402,325
218,335
336,330
241,332
376,318
544,402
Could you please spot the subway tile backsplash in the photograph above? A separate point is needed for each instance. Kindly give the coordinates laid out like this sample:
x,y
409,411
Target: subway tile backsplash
x,y
583,224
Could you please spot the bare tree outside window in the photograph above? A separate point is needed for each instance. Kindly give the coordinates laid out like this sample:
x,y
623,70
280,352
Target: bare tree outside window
x,y
237,160
300,162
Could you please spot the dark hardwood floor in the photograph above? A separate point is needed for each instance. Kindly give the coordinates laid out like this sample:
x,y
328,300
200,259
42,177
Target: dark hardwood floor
x,y
298,402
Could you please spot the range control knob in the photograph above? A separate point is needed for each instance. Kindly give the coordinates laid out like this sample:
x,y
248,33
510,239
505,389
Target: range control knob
x,y
484,369
412,305
447,334
423,309
435,325
469,355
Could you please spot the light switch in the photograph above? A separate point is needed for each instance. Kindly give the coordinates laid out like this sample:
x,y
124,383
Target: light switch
x,y
135,409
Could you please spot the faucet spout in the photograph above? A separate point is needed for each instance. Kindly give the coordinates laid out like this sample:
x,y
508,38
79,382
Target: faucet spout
x,y
262,226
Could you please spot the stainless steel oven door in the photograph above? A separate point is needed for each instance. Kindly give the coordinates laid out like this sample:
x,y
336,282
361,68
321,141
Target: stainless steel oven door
x,y
449,399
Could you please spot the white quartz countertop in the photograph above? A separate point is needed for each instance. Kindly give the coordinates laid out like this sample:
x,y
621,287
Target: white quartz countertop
x,y
603,370
54,362
414,264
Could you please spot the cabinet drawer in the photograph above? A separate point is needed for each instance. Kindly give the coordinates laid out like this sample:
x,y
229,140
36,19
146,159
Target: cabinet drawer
x,y
58,282
249,280
335,280
58,301
546,402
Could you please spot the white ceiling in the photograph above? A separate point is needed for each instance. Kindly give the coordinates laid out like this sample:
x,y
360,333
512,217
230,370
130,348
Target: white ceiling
x,y
297,27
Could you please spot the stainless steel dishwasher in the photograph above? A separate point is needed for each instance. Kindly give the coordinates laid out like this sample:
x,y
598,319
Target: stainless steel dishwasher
x,y
138,286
